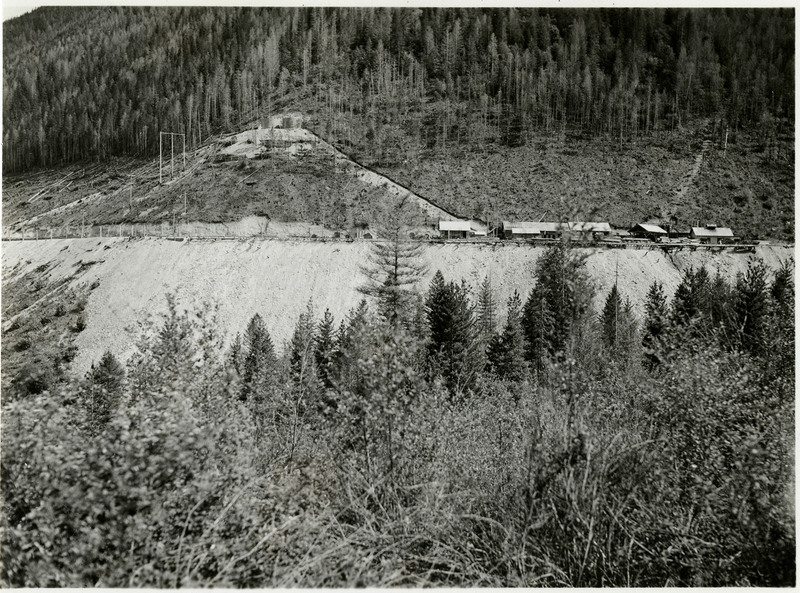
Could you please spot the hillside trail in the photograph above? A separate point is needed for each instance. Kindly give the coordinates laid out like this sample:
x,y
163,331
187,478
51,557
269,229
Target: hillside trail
x,y
689,178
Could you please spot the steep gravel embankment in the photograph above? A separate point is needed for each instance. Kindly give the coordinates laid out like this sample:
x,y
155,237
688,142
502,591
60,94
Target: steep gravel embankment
x,y
277,277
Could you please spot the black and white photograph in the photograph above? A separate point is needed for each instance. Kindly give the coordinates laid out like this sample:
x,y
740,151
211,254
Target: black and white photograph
x,y
398,296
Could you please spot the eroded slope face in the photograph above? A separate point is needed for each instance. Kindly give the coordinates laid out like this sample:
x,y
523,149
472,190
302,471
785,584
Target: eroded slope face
x,y
277,278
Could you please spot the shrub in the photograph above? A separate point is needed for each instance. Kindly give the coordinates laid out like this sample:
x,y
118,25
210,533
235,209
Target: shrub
x,y
22,345
80,324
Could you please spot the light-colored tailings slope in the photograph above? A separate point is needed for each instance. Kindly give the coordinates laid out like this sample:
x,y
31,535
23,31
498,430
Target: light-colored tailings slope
x,y
276,278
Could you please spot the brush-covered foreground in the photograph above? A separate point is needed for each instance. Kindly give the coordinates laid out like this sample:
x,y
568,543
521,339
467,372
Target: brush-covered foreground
x,y
395,451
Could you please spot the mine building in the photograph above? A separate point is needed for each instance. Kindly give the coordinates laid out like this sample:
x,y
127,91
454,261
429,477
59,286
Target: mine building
x,y
712,234
648,231
462,229
582,231
530,230
455,229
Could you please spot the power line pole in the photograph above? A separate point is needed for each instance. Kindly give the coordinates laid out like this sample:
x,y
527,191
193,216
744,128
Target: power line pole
x,y
171,152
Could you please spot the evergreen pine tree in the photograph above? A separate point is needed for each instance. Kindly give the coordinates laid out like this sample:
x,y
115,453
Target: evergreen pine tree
x,y
609,319
236,355
557,305
506,351
719,295
104,388
348,346
618,324
749,308
259,358
655,324
781,324
485,311
692,298
301,349
782,288
538,324
325,349
395,266
454,345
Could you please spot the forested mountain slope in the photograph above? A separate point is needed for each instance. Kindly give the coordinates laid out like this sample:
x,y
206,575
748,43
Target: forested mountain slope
x,y
99,81
427,94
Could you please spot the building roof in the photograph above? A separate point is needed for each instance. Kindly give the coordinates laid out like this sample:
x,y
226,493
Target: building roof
x,y
455,225
712,231
586,227
649,228
531,228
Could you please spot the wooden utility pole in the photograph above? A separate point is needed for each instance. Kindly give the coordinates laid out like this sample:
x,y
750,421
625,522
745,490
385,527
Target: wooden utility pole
x,y
171,152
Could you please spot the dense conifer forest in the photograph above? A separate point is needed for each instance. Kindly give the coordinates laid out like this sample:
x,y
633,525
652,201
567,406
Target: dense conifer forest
x,y
99,81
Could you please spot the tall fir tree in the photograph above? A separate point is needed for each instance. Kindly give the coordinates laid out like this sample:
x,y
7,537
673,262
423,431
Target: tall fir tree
x,y
485,311
395,265
454,346
506,352
750,307
618,324
259,365
538,324
105,383
325,350
301,350
692,298
656,324
558,304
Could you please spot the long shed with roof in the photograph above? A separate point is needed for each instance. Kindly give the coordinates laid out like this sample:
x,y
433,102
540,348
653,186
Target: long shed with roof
x,y
712,234
531,230
648,231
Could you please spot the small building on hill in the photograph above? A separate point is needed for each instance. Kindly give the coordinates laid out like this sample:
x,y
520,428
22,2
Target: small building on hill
x,y
285,121
712,234
648,231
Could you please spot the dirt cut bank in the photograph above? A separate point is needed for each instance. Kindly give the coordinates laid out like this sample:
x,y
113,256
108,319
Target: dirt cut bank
x,y
276,278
